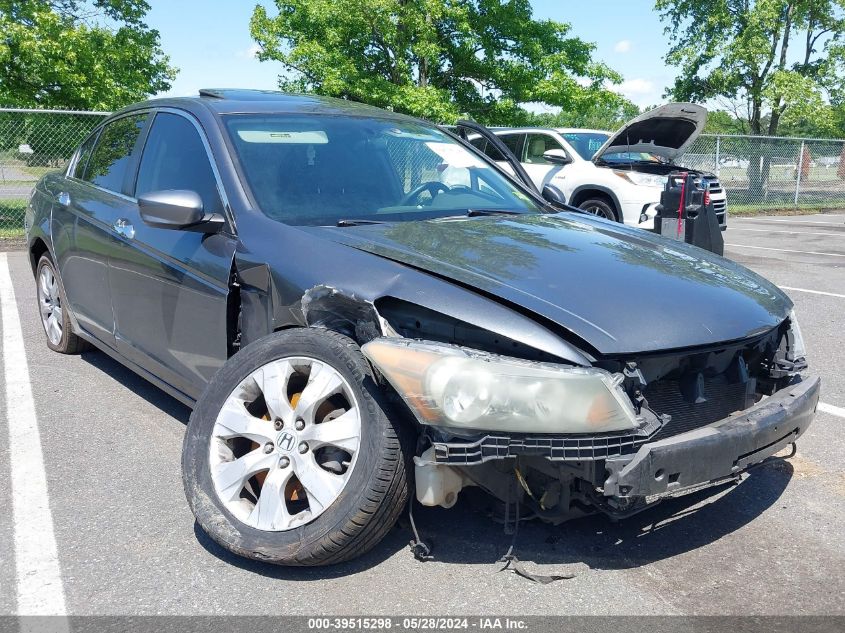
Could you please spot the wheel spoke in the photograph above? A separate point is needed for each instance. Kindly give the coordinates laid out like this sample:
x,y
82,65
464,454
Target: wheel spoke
x,y
51,284
272,380
54,330
235,421
46,308
232,476
322,383
343,432
321,486
45,290
271,513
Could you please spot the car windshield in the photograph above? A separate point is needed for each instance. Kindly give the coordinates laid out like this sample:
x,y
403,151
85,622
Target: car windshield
x,y
325,170
586,143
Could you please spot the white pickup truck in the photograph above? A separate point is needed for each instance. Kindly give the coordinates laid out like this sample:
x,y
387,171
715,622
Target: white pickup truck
x,y
619,176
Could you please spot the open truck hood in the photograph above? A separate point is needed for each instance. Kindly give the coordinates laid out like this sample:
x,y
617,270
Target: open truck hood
x,y
666,131
620,289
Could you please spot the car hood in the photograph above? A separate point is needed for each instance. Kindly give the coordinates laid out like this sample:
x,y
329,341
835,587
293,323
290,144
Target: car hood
x,y
666,131
622,290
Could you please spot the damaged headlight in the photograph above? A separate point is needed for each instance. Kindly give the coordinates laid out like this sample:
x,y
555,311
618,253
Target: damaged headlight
x,y
450,386
795,350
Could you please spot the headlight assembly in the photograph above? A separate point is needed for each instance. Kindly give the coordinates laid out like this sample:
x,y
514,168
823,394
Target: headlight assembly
x,y
644,180
450,386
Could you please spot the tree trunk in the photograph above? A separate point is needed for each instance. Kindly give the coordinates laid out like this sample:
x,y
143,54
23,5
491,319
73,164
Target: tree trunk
x,y
756,178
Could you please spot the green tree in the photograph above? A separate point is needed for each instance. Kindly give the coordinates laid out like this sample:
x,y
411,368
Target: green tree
x,y
433,58
82,54
609,114
772,61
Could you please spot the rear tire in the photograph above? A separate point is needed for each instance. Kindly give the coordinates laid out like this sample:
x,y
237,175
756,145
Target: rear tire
x,y
599,207
54,311
272,382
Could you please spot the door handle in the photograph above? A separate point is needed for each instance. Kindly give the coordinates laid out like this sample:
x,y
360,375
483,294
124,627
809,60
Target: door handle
x,y
63,199
124,228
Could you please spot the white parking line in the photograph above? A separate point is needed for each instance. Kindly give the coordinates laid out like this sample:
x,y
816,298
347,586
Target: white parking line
x,y
786,250
39,581
738,228
829,408
813,292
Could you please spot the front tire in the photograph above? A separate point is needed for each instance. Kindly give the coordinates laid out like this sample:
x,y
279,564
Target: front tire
x,y
54,311
290,457
600,207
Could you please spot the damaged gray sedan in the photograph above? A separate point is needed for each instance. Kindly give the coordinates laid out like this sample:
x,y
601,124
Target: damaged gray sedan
x,y
360,308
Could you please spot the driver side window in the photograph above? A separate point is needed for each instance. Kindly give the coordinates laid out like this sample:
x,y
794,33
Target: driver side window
x,y
536,145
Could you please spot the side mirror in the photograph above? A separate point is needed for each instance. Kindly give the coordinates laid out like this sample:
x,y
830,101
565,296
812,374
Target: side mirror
x,y
557,157
177,209
554,195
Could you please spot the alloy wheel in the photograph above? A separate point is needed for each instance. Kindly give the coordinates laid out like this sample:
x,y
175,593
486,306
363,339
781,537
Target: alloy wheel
x,y
285,443
599,211
50,304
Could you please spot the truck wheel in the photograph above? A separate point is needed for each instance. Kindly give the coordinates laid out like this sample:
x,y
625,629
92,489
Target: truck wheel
x,y
290,457
52,306
599,207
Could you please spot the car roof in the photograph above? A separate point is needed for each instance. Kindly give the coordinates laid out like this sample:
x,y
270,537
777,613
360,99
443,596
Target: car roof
x,y
559,130
232,101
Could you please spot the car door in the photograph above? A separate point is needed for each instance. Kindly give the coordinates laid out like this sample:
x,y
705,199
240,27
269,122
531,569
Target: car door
x,y
169,286
84,215
539,169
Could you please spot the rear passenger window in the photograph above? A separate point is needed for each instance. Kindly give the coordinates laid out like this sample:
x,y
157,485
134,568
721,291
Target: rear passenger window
x,y
84,155
514,143
108,162
175,158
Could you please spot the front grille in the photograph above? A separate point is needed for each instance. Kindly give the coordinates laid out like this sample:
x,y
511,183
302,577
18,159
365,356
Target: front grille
x,y
720,207
722,399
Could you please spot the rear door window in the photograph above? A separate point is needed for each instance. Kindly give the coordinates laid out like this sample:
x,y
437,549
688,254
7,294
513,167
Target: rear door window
x,y
175,158
84,155
512,141
107,167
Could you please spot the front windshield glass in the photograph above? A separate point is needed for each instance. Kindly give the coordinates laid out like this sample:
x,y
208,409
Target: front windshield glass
x,y
320,170
586,143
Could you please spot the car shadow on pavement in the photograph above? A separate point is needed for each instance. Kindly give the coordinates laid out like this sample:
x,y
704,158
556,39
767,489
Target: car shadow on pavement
x,y
139,386
669,529
463,535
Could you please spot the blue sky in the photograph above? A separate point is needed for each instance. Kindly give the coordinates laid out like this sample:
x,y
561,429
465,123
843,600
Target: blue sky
x,y
208,40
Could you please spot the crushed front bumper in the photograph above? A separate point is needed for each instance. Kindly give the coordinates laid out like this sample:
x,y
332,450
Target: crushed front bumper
x,y
715,452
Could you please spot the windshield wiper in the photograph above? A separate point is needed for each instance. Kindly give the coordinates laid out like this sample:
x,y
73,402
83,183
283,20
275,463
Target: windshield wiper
x,y
357,222
474,213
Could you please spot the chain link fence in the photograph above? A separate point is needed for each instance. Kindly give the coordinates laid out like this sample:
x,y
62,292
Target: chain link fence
x,y
32,143
764,172
758,172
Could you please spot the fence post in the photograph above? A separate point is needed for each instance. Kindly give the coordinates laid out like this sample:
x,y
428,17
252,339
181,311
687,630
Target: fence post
x,y
718,151
798,176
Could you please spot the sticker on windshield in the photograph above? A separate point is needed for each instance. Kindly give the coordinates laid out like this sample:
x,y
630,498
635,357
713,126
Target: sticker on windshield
x,y
454,155
314,137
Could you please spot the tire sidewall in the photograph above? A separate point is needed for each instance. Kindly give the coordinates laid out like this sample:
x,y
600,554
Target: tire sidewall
x,y
220,524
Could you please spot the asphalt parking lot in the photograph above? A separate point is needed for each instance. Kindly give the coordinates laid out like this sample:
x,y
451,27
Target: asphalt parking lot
x,y
126,543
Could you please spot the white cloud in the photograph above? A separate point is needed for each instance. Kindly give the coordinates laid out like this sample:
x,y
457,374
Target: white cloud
x,y
249,53
622,46
635,87
642,92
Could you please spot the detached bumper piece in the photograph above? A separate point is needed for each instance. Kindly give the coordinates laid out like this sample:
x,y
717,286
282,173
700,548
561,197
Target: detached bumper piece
x,y
713,453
